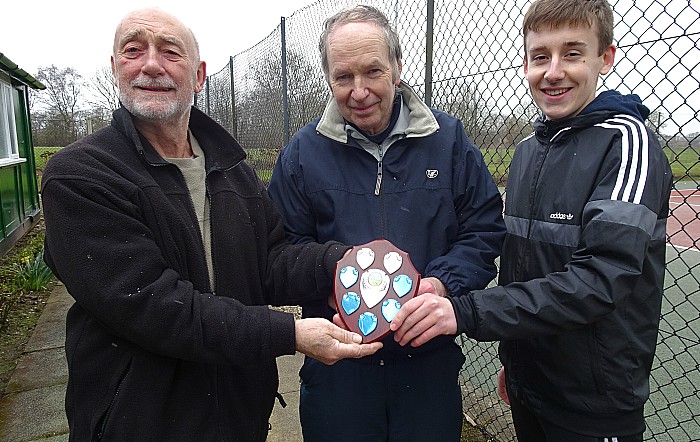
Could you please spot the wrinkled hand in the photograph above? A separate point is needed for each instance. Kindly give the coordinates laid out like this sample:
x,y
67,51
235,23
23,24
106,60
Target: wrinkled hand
x,y
501,382
328,343
339,322
423,318
431,285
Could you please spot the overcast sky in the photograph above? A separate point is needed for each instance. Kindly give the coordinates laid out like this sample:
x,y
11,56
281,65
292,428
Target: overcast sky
x,y
79,33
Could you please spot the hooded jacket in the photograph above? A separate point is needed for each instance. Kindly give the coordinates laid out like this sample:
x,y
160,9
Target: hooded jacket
x,y
154,353
426,189
579,298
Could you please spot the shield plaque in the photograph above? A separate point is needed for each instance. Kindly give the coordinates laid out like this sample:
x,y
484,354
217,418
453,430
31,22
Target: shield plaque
x,y
371,284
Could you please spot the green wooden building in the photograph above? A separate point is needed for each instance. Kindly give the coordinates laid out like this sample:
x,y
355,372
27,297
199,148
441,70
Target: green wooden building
x,y
19,196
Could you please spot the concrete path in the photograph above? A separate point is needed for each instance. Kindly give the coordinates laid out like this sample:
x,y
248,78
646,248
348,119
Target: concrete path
x,y
32,409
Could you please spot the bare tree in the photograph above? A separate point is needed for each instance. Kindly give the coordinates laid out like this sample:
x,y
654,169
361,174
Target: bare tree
x,y
103,99
260,109
104,94
461,98
308,91
59,104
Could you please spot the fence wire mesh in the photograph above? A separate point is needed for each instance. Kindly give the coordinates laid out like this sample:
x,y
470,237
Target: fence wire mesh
x,y
471,66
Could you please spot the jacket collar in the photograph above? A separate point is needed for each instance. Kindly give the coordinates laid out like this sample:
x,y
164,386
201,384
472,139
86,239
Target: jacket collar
x,y
606,105
421,121
221,150
549,131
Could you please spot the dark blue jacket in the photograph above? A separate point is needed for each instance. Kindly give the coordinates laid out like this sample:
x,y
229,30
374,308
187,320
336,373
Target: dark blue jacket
x,y
579,299
431,195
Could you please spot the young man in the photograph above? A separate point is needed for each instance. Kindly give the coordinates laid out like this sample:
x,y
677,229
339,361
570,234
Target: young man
x,y
380,164
578,303
172,250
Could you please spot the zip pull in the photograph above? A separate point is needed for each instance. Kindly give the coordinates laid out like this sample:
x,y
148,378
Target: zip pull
x,y
379,179
378,186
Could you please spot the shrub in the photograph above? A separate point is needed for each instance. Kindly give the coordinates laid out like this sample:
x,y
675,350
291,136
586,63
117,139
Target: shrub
x,y
33,273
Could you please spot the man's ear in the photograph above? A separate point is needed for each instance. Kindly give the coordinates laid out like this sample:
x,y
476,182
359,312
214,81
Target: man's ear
x,y
399,65
201,77
608,59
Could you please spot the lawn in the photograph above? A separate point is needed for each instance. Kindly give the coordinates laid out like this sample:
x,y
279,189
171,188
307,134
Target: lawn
x,y
41,156
685,163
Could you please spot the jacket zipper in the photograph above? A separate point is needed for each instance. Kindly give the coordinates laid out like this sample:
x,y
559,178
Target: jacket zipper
x,y
377,187
594,359
524,248
211,225
105,418
534,190
211,239
219,418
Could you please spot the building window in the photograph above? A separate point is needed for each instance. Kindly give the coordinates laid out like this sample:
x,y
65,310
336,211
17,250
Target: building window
x,y
8,129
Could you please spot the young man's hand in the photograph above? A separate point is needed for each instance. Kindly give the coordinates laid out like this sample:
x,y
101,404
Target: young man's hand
x,y
423,318
432,285
501,382
328,343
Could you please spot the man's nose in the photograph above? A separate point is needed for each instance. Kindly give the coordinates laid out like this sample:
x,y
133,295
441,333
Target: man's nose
x,y
152,62
359,89
554,71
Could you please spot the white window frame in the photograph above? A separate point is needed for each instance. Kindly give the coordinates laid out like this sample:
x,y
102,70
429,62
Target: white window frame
x,y
8,125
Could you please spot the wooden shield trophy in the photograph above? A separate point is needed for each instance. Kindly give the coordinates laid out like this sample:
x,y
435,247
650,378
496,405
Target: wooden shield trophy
x,y
371,284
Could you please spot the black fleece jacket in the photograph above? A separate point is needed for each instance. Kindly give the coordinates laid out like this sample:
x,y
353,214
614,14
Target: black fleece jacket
x,y
154,353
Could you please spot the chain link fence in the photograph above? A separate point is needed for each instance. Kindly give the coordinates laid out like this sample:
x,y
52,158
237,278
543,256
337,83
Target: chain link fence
x,y
465,57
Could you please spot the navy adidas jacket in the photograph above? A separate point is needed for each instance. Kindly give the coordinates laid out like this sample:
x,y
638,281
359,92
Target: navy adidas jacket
x,y
579,298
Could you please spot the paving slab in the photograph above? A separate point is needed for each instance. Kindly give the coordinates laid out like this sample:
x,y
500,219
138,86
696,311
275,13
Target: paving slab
x,y
33,414
46,335
50,331
43,368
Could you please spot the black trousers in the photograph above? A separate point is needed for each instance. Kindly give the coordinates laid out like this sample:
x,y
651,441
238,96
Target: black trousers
x,y
531,428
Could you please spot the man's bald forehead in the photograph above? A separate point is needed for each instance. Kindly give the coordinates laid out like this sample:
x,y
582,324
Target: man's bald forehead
x,y
139,19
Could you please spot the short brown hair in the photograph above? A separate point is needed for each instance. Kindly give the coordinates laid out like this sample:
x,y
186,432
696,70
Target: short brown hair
x,y
554,14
